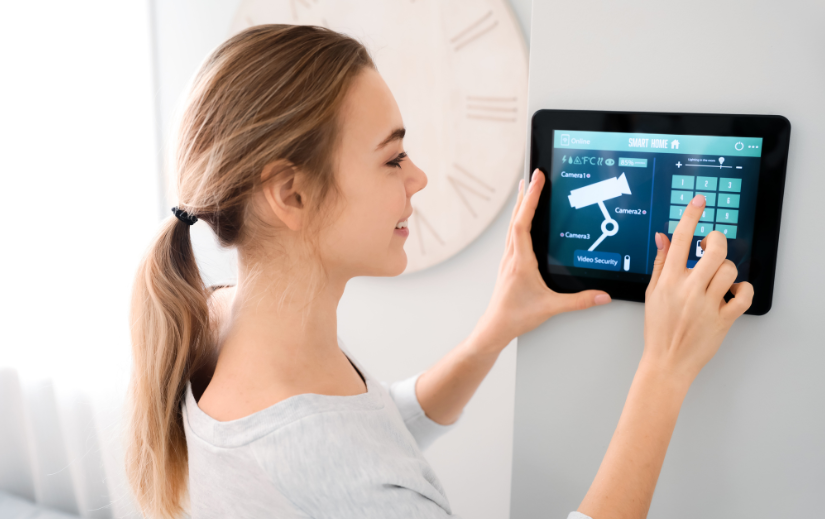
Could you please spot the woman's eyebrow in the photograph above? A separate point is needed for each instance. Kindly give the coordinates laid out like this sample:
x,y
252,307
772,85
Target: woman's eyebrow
x,y
396,134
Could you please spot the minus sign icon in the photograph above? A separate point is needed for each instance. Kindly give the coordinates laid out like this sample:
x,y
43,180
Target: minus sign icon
x,y
738,167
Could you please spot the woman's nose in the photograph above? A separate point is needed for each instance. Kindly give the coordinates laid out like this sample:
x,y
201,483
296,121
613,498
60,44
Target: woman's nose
x,y
418,180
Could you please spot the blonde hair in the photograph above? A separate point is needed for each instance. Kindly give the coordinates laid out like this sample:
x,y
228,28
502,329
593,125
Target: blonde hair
x,y
270,93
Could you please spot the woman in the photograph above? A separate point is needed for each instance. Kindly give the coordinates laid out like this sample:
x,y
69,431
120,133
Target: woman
x,y
243,401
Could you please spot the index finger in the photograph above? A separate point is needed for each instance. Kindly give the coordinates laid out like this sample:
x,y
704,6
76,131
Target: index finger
x,y
682,240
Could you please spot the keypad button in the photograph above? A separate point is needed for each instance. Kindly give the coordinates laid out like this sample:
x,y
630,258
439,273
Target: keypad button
x,y
706,183
671,226
710,198
683,182
676,212
707,215
726,200
727,216
728,230
730,185
680,197
703,229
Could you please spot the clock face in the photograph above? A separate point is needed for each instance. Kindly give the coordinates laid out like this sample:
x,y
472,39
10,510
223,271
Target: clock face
x,y
458,70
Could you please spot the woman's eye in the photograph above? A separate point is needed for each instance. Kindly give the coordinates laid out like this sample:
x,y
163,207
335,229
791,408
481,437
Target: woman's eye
x,y
396,162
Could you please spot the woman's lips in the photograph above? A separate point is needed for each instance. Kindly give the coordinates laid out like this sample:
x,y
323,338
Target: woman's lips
x,y
401,228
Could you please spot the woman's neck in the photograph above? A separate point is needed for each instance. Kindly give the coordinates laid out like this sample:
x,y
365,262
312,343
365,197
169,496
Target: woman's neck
x,y
278,337
292,313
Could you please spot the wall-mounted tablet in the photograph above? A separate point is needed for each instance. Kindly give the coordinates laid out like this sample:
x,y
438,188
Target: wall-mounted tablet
x,y
614,179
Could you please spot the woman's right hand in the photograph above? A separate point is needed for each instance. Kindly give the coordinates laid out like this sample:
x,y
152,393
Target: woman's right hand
x,y
686,316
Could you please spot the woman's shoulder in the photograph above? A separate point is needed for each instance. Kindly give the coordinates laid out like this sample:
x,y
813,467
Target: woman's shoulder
x,y
233,426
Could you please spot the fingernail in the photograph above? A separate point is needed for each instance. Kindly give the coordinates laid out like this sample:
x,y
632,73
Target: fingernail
x,y
659,243
698,200
521,185
602,299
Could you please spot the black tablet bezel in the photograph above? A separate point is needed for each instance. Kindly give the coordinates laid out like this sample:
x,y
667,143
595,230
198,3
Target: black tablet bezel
x,y
775,132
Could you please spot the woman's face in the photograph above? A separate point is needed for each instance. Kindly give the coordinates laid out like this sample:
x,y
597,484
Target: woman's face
x,y
376,182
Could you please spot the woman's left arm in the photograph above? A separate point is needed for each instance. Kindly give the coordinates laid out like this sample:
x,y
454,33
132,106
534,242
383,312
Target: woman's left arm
x,y
521,301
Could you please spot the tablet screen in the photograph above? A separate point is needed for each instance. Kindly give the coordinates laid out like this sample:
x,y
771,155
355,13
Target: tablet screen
x,y
611,192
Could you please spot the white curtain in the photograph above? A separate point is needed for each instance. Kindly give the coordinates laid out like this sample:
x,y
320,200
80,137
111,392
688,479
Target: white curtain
x,y
79,203
62,448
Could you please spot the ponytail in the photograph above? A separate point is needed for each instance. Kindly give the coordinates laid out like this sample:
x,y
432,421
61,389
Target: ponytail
x,y
169,324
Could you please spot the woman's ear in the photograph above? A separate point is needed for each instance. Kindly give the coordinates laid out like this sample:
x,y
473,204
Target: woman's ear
x,y
282,187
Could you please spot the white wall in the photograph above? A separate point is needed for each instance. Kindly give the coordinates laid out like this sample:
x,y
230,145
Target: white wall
x,y
750,441
395,326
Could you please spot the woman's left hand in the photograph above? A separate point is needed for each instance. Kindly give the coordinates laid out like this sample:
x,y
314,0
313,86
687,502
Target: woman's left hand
x,y
521,300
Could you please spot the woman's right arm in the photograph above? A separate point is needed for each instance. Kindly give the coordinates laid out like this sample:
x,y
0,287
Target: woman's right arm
x,y
686,318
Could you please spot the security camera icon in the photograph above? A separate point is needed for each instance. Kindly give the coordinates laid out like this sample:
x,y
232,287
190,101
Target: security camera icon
x,y
596,194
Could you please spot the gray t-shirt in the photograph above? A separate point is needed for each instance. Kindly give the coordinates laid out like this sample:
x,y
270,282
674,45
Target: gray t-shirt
x,y
318,456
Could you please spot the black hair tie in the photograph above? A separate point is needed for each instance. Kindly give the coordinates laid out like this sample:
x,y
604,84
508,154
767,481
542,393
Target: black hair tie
x,y
183,216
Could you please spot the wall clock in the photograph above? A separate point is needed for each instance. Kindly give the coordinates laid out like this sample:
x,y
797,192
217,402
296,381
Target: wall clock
x,y
458,70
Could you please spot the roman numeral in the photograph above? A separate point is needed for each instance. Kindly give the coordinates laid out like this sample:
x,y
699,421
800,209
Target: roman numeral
x,y
476,187
489,108
474,31
419,229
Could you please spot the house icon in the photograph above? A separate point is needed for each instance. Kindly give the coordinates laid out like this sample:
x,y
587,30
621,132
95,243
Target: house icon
x,y
674,145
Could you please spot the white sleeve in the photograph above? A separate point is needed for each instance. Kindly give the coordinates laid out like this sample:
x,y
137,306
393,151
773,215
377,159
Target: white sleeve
x,y
424,430
578,515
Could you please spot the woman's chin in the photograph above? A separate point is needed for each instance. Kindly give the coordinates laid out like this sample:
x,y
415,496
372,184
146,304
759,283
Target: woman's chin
x,y
398,264
394,264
